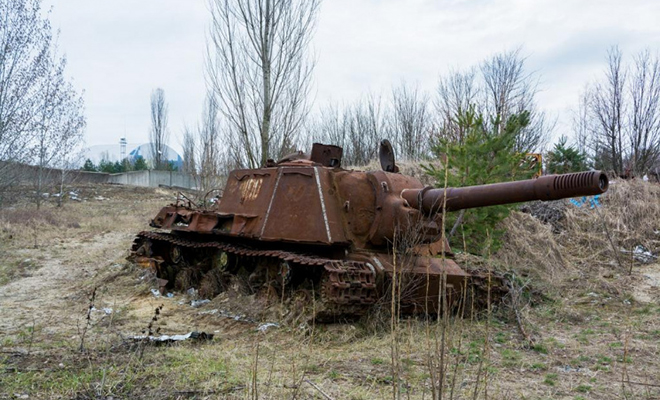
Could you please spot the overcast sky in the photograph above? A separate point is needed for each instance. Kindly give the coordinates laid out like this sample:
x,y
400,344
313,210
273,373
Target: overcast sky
x,y
119,51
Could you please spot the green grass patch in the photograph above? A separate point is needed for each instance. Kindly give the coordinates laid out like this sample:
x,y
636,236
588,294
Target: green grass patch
x,y
550,379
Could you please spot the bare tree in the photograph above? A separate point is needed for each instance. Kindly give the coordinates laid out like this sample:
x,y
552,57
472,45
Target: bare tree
x,y
60,124
457,92
582,124
644,115
359,127
159,134
210,157
259,72
509,89
623,114
410,121
40,114
25,40
189,145
68,164
329,126
499,88
607,110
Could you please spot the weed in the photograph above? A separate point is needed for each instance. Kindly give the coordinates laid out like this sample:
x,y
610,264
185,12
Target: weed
x,y
583,388
88,320
150,330
550,379
540,348
643,311
511,357
539,367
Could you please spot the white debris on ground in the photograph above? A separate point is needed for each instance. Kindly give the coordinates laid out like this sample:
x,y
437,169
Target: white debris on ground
x,y
174,338
199,303
266,326
227,314
105,310
641,254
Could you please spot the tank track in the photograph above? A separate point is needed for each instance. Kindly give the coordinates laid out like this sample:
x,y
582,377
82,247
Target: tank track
x,y
347,288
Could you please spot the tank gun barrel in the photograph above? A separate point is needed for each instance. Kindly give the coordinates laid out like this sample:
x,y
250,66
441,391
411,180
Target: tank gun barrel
x,y
544,188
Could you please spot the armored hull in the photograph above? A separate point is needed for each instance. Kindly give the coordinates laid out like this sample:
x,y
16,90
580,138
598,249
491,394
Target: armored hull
x,y
306,228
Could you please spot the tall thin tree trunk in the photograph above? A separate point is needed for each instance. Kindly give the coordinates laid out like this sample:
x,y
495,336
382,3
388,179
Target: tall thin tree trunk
x,y
266,62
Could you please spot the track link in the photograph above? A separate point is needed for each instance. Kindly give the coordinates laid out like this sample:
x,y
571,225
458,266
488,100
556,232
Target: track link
x,y
347,288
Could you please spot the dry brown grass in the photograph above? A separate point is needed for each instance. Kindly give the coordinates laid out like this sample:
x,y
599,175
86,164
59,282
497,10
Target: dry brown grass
x,y
594,247
589,334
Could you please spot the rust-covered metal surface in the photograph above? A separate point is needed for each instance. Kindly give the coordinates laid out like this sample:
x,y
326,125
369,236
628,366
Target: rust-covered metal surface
x,y
305,226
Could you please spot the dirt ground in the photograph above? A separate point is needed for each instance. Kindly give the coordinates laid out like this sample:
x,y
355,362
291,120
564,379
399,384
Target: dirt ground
x,y
596,335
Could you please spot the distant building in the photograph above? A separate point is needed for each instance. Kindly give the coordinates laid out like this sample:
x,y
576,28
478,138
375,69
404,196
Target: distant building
x,y
114,152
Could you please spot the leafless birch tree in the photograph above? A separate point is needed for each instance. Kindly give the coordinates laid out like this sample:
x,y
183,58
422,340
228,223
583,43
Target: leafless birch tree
x,y
457,92
259,71
159,133
41,116
581,123
621,112
25,40
499,88
189,146
357,127
608,109
509,89
410,122
60,125
211,160
644,116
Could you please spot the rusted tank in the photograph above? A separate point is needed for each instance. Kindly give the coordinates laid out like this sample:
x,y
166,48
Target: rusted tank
x,y
306,228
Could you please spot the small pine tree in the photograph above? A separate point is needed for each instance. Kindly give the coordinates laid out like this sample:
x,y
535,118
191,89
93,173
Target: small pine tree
x,y
117,167
140,164
89,166
126,165
563,159
106,166
484,157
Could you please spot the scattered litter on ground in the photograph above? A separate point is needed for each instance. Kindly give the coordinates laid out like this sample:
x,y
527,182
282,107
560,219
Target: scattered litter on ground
x,y
165,339
155,292
199,303
591,201
106,310
227,314
266,326
641,254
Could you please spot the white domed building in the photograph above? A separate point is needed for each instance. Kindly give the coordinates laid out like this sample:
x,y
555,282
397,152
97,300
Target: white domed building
x,y
117,152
